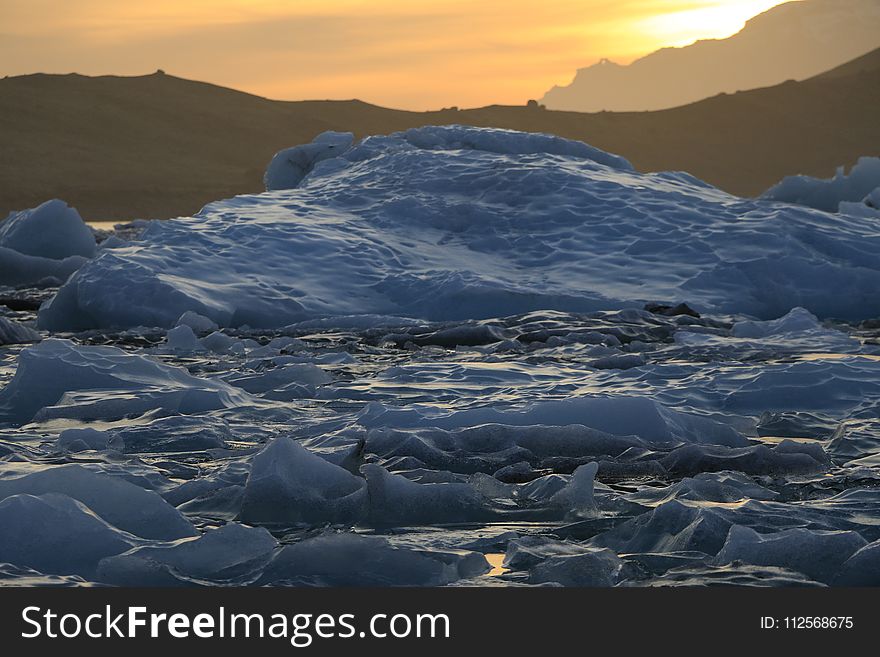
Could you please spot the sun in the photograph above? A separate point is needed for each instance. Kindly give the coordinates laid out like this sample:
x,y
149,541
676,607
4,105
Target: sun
x,y
718,19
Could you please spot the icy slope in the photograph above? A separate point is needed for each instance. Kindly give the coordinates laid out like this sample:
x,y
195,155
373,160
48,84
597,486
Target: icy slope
x,y
453,222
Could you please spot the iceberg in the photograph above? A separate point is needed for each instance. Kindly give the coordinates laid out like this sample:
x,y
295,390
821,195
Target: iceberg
x,y
52,230
831,194
445,223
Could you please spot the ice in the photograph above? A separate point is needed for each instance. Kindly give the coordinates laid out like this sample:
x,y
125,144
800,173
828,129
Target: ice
x,y
787,457
347,559
577,496
173,434
490,447
17,269
725,487
817,554
396,501
288,167
797,320
288,485
78,440
120,503
182,339
468,223
670,527
828,194
52,230
12,332
54,367
595,567
862,568
621,416
304,374
232,553
55,534
196,322
448,340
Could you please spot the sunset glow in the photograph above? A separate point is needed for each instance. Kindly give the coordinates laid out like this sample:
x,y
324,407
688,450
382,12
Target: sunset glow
x,y
413,55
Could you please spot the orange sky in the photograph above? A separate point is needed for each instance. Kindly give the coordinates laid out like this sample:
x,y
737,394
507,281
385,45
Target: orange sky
x,y
414,54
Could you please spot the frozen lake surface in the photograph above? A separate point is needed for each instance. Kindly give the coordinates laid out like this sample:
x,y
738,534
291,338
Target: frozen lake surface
x,y
448,357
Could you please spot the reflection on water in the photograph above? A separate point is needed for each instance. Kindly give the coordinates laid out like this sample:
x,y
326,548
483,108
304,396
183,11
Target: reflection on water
x,y
496,561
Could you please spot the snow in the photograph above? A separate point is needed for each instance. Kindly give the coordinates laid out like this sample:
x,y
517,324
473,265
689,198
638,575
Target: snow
x,y
829,194
466,223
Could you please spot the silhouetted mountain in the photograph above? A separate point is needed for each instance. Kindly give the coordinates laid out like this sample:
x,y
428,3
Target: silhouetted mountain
x,y
791,41
161,146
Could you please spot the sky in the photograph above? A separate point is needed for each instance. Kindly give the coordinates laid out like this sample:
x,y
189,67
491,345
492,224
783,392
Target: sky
x,y
411,54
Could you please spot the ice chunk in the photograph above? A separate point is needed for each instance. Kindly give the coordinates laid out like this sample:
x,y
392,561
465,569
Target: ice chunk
x,y
288,485
173,434
670,527
354,560
300,374
233,552
196,322
56,534
827,194
122,504
490,447
14,333
595,567
20,269
182,339
817,554
798,320
788,457
725,487
619,415
54,367
475,223
397,501
288,167
862,568
51,230
78,440
577,496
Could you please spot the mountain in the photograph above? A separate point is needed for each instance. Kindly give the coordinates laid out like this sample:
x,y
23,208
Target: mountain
x,y
158,146
791,41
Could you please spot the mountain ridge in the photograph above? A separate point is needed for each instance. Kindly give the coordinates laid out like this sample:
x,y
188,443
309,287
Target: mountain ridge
x,y
158,146
794,40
